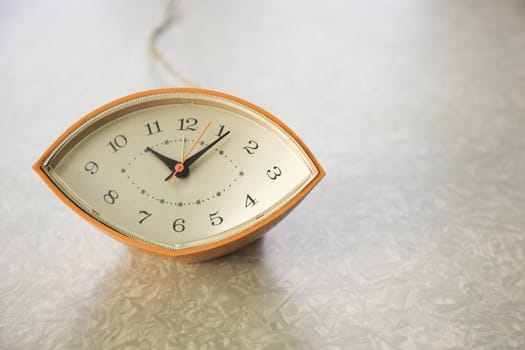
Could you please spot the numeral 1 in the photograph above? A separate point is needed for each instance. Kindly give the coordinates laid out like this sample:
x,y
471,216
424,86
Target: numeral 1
x,y
221,131
153,128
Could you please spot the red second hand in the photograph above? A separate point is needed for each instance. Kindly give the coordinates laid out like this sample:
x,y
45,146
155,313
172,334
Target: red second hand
x,y
180,167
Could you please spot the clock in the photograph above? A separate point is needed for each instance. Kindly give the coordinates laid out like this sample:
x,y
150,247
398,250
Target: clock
x,y
183,172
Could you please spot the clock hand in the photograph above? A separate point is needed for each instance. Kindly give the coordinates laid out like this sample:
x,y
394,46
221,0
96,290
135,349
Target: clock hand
x,y
180,169
183,144
199,154
170,163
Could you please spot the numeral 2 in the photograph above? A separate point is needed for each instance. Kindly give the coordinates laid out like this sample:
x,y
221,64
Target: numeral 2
x,y
252,146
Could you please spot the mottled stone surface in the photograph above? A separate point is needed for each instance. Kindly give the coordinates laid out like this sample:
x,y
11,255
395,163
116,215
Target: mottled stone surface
x,y
414,240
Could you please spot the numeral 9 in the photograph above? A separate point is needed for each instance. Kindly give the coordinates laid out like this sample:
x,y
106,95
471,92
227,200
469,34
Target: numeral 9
x,y
91,167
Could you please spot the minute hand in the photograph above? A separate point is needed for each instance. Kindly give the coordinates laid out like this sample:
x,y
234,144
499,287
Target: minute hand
x,y
170,163
188,162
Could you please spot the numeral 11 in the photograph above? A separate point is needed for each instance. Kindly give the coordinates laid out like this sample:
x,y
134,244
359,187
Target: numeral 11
x,y
153,128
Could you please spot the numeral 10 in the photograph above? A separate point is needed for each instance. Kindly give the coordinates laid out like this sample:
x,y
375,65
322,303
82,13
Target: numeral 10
x,y
118,142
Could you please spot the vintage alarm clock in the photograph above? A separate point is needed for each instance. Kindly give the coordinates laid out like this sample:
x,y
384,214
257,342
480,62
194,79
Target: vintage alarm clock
x,y
184,172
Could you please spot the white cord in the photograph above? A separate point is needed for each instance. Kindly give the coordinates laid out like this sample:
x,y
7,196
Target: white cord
x,y
155,53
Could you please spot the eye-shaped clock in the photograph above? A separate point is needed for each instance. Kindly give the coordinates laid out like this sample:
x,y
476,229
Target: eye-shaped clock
x,y
183,172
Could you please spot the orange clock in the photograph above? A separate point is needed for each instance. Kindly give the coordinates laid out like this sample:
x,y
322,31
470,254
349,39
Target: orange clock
x,y
189,173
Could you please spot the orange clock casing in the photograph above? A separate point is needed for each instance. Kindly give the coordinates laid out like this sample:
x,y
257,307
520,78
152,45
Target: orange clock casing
x,y
202,252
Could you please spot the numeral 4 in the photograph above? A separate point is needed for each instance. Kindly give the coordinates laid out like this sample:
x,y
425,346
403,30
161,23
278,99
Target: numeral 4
x,y
250,201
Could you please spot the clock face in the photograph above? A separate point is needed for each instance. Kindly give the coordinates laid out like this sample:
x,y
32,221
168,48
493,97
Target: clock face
x,y
180,171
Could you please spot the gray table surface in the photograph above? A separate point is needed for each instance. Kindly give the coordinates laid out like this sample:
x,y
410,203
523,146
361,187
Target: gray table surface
x,y
414,240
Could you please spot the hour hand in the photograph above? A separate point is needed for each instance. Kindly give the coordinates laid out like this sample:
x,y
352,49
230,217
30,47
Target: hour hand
x,y
169,162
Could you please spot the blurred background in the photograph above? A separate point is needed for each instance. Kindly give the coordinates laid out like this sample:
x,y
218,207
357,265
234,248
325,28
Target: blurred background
x,y
415,239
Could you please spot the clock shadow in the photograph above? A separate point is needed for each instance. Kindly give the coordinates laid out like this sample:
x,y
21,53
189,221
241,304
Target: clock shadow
x,y
151,301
